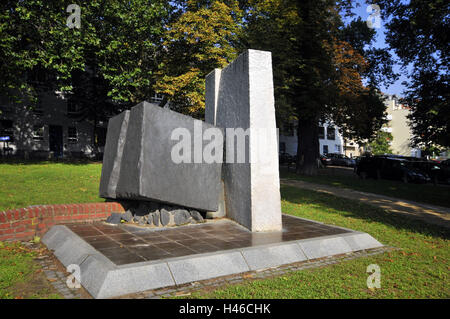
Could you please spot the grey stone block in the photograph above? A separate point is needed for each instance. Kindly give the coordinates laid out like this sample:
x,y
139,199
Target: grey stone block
x,y
246,101
361,241
66,245
150,219
322,247
114,218
142,220
156,218
147,171
123,281
127,216
112,158
165,217
205,267
272,256
196,216
181,217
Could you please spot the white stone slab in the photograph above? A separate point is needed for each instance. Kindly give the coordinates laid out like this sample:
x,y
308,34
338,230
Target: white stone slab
x,y
246,101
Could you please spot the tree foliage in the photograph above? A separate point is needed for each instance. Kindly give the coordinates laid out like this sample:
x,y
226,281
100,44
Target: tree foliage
x,y
418,31
381,143
199,39
319,67
118,41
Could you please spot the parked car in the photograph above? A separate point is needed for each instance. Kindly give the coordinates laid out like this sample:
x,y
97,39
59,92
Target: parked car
x,y
325,160
444,172
285,158
390,168
341,160
430,168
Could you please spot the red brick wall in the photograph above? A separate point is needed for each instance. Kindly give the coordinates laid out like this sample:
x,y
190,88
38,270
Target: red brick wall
x,y
25,223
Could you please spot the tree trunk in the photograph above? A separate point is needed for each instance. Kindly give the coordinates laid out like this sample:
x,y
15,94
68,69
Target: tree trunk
x,y
307,147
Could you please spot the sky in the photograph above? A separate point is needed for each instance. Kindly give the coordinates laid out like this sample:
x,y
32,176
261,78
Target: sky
x,y
380,42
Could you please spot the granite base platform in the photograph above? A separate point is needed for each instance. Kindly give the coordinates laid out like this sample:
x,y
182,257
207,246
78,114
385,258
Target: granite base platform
x,y
123,259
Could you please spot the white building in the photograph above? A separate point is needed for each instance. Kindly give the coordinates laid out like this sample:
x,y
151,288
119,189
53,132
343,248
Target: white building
x,y
330,141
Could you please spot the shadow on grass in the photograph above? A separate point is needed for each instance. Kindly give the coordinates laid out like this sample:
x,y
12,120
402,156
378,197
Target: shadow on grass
x,y
356,209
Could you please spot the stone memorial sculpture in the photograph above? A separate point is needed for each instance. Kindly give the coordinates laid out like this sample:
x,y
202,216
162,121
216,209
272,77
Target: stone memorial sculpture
x,y
138,164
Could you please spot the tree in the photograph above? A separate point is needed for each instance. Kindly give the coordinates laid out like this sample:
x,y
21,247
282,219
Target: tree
x,y
418,32
381,143
118,41
111,61
199,39
319,65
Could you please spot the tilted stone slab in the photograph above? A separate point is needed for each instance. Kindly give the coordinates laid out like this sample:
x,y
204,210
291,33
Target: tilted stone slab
x,y
112,156
147,170
241,96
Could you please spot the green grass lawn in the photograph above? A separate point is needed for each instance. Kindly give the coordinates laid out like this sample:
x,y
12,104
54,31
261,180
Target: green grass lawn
x,y
339,177
25,184
419,269
20,276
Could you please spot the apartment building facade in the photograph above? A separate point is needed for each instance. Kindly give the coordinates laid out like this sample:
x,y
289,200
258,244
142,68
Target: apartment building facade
x,y
49,129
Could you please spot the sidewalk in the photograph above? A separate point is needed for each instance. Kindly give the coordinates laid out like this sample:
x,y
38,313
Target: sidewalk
x,y
428,213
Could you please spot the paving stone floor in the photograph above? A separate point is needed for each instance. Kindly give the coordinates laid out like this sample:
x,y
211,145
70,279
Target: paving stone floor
x,y
125,244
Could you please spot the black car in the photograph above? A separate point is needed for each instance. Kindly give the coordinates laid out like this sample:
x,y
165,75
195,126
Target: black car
x,y
286,158
430,168
340,160
325,160
390,168
444,172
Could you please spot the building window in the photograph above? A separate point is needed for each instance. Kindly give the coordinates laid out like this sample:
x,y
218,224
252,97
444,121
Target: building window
x,y
331,133
38,132
337,148
72,135
321,132
325,149
72,107
38,109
